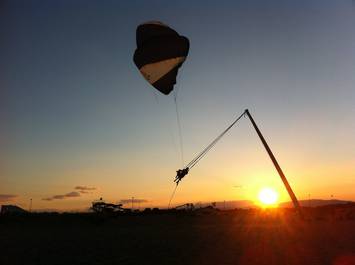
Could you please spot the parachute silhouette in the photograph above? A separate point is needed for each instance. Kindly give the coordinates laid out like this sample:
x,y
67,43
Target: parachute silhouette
x,y
160,53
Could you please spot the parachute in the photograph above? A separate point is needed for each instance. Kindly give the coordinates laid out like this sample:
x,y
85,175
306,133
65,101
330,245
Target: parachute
x,y
160,53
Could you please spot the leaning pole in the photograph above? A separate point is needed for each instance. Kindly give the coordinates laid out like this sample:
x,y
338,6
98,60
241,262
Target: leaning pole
x,y
276,164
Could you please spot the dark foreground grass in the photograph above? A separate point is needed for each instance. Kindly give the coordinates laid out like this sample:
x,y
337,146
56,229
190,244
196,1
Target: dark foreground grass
x,y
235,237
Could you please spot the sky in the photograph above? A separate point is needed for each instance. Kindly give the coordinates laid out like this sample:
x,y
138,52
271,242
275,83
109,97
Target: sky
x,y
79,122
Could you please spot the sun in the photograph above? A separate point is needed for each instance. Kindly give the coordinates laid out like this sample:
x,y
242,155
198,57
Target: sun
x,y
268,196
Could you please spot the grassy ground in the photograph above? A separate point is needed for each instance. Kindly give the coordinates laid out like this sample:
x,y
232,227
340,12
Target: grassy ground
x,y
221,238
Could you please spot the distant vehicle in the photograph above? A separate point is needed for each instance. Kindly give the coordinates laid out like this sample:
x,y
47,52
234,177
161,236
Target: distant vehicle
x,y
186,207
101,206
12,209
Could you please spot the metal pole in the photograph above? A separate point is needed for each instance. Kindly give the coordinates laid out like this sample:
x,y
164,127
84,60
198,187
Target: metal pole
x,y
278,168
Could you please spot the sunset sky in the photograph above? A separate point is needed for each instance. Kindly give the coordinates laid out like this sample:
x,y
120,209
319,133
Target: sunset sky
x,y
79,122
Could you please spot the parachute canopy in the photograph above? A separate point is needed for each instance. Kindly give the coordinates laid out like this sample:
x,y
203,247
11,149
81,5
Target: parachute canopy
x,y
159,54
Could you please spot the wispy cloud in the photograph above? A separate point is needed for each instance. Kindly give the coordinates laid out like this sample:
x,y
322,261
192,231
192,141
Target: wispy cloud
x,y
72,194
125,201
61,197
7,197
84,188
79,190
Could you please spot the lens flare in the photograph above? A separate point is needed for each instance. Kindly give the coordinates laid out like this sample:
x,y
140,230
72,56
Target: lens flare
x,y
268,196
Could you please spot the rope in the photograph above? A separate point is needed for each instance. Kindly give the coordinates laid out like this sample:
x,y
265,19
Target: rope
x,y
179,128
180,141
194,161
172,195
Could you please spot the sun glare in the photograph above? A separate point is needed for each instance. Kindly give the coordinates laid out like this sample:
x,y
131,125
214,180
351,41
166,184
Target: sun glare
x,y
268,196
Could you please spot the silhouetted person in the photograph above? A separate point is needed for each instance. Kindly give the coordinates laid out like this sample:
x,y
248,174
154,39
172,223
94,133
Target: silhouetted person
x,y
180,174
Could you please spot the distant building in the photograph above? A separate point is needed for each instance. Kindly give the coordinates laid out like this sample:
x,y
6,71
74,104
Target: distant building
x,y
12,209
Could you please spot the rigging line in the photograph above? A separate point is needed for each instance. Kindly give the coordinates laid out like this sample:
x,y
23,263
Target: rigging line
x,y
197,159
179,128
215,140
204,152
172,195
170,128
191,164
200,155
173,140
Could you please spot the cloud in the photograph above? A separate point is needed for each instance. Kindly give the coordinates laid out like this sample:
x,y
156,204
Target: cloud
x,y
7,197
125,201
61,197
84,188
72,194
58,197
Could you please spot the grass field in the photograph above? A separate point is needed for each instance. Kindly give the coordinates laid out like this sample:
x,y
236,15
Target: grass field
x,y
231,237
